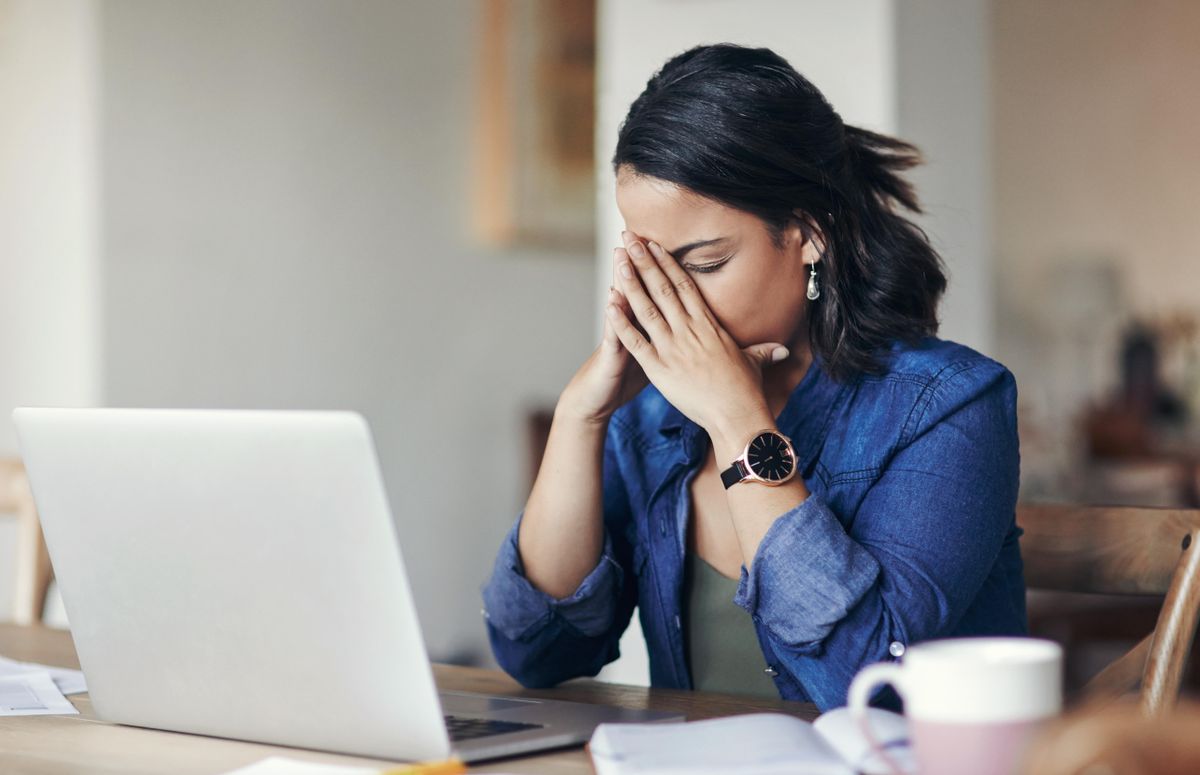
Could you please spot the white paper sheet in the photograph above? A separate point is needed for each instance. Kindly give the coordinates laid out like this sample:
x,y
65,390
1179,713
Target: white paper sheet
x,y
758,743
32,694
68,681
282,765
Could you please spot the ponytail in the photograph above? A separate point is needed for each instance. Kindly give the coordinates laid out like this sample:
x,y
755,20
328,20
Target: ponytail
x,y
876,161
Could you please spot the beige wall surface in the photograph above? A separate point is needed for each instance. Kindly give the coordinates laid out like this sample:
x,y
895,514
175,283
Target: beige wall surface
x,y
286,188
1096,116
264,205
1095,112
49,256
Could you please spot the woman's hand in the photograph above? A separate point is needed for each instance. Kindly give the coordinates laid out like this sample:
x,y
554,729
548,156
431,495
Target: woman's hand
x,y
609,378
688,356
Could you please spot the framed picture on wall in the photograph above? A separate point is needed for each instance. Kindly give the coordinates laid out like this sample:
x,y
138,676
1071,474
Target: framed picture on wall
x,y
534,141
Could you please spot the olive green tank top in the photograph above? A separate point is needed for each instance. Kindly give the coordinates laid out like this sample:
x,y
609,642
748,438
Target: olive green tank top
x,y
722,647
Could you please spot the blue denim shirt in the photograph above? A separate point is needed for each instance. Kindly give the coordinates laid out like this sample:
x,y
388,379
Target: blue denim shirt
x,y
908,534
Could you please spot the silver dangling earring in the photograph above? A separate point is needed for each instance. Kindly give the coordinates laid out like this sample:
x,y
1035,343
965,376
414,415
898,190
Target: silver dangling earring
x,y
814,290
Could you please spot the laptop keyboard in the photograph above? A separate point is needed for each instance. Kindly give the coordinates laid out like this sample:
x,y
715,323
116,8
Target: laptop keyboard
x,y
467,728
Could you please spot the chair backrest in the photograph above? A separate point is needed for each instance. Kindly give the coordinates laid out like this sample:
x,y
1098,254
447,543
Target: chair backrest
x,y
1124,551
32,563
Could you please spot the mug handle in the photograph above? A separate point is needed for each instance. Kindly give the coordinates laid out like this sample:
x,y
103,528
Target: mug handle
x,y
859,695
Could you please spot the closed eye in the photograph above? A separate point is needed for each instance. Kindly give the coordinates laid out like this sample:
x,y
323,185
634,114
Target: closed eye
x,y
706,268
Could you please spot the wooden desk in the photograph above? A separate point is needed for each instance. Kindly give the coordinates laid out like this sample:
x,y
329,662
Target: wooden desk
x,y
50,745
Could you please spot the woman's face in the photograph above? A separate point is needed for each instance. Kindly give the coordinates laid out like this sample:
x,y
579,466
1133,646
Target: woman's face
x,y
757,291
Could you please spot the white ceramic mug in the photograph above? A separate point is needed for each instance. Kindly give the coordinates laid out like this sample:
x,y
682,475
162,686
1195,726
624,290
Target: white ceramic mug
x,y
972,704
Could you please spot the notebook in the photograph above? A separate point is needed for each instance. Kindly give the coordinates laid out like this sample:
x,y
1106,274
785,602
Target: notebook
x,y
753,744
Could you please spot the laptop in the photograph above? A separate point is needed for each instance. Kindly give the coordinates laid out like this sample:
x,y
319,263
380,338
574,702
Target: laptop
x,y
238,574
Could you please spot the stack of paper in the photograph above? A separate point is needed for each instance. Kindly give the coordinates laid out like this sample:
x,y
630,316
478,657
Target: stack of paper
x,y
28,689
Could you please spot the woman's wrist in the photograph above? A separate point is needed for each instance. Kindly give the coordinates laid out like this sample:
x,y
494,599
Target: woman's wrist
x,y
569,411
731,434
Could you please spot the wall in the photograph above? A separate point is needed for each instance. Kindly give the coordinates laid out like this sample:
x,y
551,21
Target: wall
x,y
1096,163
1095,142
49,284
944,107
286,185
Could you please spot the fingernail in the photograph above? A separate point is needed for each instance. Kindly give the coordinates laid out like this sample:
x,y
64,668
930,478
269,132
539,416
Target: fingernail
x,y
626,270
637,250
655,248
778,354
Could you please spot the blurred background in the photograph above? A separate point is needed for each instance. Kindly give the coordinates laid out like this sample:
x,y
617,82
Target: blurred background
x,y
405,208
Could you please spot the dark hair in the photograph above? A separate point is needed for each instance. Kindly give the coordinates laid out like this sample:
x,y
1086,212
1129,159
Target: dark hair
x,y
740,126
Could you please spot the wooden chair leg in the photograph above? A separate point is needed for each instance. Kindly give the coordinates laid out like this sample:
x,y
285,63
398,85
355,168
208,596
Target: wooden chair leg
x,y
33,570
1174,634
1120,677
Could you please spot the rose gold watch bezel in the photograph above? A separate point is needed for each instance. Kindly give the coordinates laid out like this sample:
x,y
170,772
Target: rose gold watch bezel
x,y
751,476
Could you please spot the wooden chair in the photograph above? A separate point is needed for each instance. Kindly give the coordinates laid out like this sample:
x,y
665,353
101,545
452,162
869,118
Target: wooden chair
x,y
1124,551
33,563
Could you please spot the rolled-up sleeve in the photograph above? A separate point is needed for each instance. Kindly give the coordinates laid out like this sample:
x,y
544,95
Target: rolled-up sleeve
x,y
801,602
916,552
516,607
541,640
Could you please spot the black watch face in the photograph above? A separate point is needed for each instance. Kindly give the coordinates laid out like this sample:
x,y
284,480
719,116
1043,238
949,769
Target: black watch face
x,y
770,457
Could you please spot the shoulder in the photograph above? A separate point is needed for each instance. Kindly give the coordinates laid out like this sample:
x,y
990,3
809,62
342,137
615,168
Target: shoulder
x,y
924,382
935,366
931,361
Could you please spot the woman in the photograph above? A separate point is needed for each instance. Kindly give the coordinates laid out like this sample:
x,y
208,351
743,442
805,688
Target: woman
x,y
779,303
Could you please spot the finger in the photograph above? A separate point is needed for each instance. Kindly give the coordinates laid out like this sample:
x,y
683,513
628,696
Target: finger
x,y
620,301
660,287
763,354
634,342
610,339
685,287
623,305
645,311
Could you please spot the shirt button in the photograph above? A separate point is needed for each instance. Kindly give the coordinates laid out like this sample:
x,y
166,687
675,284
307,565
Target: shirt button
x,y
678,626
771,671
896,649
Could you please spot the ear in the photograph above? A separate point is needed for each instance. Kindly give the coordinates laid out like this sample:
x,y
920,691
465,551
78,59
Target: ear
x,y
807,237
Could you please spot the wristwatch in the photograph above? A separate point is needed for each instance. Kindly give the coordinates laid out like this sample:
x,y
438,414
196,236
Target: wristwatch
x,y
768,458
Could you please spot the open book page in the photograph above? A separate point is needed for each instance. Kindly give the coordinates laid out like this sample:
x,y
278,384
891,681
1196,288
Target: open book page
x,y
753,744
843,734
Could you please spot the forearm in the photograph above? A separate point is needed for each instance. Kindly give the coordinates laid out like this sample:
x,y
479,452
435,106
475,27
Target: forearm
x,y
562,531
754,507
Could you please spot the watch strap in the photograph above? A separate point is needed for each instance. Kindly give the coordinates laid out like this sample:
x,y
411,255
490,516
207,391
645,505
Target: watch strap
x,y
734,474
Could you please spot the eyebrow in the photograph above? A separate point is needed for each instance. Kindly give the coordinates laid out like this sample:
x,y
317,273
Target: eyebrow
x,y
683,250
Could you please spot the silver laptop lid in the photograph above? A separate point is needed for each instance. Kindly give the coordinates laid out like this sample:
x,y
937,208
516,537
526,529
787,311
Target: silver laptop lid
x,y
234,573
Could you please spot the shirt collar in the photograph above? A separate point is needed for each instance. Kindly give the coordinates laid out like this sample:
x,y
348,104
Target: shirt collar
x,y
805,417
